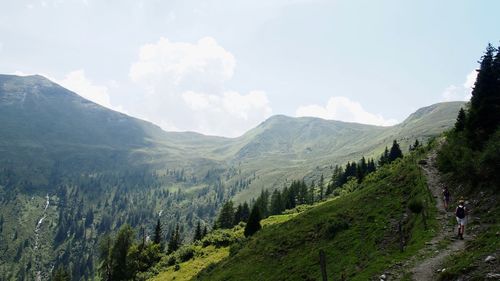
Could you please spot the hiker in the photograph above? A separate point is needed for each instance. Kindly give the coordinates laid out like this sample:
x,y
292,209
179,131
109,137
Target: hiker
x,y
461,213
446,198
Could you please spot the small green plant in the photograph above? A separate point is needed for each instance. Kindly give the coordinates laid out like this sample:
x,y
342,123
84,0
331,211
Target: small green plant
x,y
416,206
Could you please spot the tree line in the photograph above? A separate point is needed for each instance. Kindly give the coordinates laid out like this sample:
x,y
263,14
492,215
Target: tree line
x,y
299,193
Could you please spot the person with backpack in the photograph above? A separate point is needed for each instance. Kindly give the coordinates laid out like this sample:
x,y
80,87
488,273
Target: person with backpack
x,y
461,213
446,198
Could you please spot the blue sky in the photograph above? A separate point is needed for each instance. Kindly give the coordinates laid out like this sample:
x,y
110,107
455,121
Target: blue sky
x,y
222,67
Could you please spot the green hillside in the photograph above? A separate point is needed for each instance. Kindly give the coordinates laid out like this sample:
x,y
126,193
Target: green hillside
x,y
101,169
358,232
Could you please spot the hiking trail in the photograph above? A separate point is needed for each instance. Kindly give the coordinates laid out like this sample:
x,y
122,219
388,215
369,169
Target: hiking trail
x,y
443,244
427,269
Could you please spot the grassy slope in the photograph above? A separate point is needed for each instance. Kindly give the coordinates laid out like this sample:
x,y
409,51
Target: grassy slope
x,y
289,250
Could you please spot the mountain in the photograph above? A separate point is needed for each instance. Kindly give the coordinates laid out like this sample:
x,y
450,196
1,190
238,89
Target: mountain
x,y
64,159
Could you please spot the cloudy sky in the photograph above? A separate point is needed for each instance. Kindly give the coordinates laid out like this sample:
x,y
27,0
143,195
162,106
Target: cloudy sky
x,y
222,67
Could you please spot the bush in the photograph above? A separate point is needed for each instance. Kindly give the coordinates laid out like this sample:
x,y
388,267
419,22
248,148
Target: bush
x,y
171,260
219,238
186,253
416,206
331,228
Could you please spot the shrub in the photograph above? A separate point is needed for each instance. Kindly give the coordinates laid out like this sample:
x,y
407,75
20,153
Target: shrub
x,y
331,228
416,206
171,260
186,253
219,238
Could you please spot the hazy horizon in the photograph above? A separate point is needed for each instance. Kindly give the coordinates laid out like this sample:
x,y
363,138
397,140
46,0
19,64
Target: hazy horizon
x,y
221,68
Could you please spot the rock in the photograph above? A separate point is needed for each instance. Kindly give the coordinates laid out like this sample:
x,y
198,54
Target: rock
x,y
489,259
383,277
493,276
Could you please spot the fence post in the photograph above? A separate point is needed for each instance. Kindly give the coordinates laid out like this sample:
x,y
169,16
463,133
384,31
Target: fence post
x,y
322,264
401,241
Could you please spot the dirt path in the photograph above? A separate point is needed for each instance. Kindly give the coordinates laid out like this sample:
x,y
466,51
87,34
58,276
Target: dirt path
x,y
428,268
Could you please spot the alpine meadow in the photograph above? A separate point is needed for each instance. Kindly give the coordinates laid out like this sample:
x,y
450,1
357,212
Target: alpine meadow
x,y
142,140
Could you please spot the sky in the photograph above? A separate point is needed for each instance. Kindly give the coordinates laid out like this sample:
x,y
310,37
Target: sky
x,y
222,67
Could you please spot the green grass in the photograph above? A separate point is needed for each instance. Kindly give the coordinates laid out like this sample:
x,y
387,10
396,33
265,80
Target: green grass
x,y
358,232
206,257
187,270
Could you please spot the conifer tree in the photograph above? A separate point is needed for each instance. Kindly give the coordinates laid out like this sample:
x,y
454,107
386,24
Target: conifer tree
x,y
205,232
321,187
262,203
238,214
123,241
198,234
484,116
276,203
371,166
174,243
226,216
245,212
395,152
253,224
106,261
384,158
158,235
460,123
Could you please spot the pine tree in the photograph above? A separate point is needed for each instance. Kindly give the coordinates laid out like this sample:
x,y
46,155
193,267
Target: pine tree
x,y
105,258
384,158
198,234
174,243
205,232
123,241
483,116
310,197
262,203
276,203
253,224
226,216
238,214
245,212
395,152
371,166
158,235
362,169
460,123
321,187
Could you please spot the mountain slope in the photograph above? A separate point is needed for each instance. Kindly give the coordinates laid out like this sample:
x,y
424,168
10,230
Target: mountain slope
x,y
357,231
89,161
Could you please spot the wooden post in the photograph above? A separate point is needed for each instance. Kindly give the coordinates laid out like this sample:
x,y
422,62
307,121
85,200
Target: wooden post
x,y
322,264
401,241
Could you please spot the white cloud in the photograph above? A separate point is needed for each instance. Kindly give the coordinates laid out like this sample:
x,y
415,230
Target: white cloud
x,y
344,109
179,64
460,93
185,89
470,79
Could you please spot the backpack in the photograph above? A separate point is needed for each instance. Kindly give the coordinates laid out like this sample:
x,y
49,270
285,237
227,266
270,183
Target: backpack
x,y
460,213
